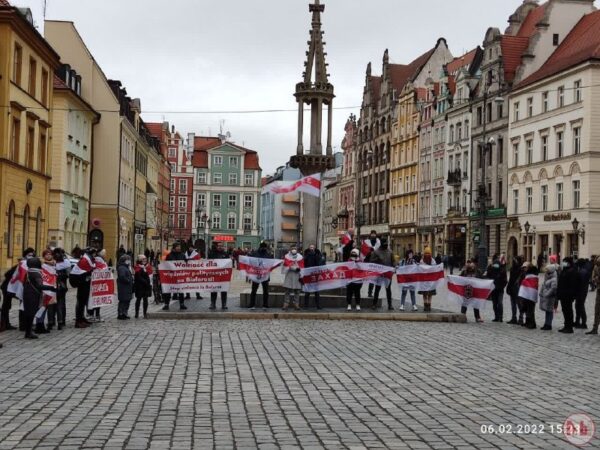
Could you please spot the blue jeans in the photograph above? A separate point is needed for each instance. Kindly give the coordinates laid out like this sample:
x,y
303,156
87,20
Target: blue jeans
x,y
412,296
549,318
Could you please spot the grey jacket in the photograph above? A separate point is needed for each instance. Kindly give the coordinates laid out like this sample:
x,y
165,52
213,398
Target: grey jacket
x,y
124,281
548,291
383,257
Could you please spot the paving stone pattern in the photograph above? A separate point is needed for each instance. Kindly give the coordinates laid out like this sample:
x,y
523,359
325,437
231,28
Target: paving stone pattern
x,y
292,384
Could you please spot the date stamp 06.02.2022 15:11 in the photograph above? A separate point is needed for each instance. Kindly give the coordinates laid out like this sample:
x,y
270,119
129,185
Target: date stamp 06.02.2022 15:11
x,y
577,429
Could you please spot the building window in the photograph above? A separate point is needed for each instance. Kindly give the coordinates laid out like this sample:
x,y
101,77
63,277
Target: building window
x,y
515,154
559,196
172,203
249,179
29,143
183,186
247,222
171,221
15,140
233,161
182,203
544,148
577,140
231,222
576,194
559,144
218,160
216,221
217,178
217,200
545,106
172,185
561,96
544,198
44,87
516,201
10,230
516,112
201,200
201,177
181,221
529,198
26,227
172,152
500,110
577,89
232,201
17,64
32,76
530,107
233,179
451,133
479,116
248,201
42,152
529,149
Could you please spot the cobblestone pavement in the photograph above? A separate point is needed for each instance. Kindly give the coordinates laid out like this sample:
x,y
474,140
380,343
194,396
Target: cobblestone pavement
x,y
206,384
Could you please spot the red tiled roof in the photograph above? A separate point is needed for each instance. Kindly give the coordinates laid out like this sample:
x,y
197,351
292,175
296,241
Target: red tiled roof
x,y
155,129
203,144
451,84
529,24
376,87
58,83
401,74
462,61
581,44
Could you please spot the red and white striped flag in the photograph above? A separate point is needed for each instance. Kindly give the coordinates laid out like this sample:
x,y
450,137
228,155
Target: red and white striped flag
x,y
310,185
469,291
529,288
422,277
84,265
15,285
49,279
374,273
258,269
346,238
325,278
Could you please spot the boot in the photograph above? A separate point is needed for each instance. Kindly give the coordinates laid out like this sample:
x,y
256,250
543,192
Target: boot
x,y
81,324
21,320
137,313
213,304
30,335
594,330
198,296
224,304
390,307
285,306
40,329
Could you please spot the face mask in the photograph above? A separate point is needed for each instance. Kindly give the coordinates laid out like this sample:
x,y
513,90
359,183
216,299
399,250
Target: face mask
x,y
564,265
294,252
496,266
128,263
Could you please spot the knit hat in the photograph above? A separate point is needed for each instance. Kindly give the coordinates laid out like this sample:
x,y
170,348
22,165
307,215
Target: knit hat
x,y
427,251
354,252
553,259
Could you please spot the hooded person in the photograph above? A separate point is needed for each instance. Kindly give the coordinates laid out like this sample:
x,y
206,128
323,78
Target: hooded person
x,y
32,294
353,288
124,286
293,262
427,295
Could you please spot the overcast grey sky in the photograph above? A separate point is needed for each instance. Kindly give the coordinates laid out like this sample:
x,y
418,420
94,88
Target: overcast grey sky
x,y
201,55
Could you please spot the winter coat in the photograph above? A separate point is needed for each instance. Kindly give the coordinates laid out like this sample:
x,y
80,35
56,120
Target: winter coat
x,y
292,276
32,289
142,285
216,254
471,273
383,257
124,282
547,298
313,259
585,275
514,280
7,277
567,284
498,275
176,256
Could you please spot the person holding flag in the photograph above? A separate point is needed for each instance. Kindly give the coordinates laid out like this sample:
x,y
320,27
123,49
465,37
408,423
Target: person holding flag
x,y
353,289
262,254
313,258
57,312
409,260
33,286
13,287
48,271
142,286
367,248
427,295
383,256
81,278
192,255
218,253
528,294
292,263
471,271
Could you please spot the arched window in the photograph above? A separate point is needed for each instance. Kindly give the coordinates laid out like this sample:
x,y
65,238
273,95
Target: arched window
x,y
11,230
38,229
231,221
26,227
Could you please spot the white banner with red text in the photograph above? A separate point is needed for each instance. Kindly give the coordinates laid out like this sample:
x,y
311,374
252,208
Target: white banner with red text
x,y
49,279
469,291
258,270
212,275
335,276
102,289
421,277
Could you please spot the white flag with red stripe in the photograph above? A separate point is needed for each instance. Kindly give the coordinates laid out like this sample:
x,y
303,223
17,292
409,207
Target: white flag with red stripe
x,y
49,280
84,265
258,269
310,185
15,285
421,277
325,278
529,288
346,238
374,273
469,291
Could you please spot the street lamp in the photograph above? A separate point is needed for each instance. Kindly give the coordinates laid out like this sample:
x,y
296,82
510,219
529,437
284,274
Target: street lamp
x,y
527,227
482,194
578,232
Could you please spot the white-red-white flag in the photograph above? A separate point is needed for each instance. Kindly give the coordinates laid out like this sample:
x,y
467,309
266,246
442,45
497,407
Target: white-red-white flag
x,y
49,280
15,285
529,288
469,291
421,277
374,273
258,269
325,278
310,185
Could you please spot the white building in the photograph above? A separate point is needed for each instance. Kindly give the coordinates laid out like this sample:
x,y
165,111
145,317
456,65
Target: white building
x,y
552,159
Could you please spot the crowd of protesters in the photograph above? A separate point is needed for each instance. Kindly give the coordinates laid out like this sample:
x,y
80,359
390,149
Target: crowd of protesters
x,y
42,306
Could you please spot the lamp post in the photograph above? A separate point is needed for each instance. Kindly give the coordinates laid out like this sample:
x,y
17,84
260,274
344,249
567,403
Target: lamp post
x,y
527,227
578,232
482,196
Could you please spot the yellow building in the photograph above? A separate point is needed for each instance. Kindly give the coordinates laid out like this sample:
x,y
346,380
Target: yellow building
x,y
404,173
74,120
27,64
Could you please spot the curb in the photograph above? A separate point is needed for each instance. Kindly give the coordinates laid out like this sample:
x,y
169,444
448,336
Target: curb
x,y
411,317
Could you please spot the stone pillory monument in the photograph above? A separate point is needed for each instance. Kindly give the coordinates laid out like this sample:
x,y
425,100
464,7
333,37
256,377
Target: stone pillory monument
x,y
315,90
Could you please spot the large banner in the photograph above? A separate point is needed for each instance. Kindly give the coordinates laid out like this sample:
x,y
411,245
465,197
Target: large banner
x,y
212,275
324,278
529,288
310,185
421,277
102,289
258,270
468,291
334,276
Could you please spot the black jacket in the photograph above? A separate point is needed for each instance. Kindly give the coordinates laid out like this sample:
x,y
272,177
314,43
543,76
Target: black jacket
x,y
216,254
176,256
498,275
514,281
142,286
568,281
313,259
262,253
